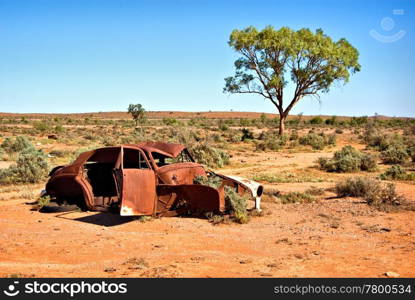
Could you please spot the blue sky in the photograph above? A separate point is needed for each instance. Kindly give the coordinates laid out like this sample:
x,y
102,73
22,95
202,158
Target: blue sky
x,y
85,56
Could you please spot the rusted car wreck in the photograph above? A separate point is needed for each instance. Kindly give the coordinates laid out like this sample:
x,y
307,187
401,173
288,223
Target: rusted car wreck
x,y
149,178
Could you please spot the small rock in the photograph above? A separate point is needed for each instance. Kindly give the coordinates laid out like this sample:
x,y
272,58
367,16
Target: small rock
x,y
392,274
385,229
246,261
110,270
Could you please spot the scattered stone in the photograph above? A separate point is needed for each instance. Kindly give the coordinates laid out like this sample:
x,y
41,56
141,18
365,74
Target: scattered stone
x,y
335,225
245,261
284,240
110,270
392,274
52,137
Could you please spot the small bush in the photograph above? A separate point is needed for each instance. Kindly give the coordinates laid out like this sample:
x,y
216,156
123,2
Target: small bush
x,y
247,134
381,196
169,121
318,141
294,135
42,201
270,141
237,205
316,120
314,140
212,181
384,197
41,126
376,139
315,191
208,155
18,144
397,173
368,162
348,159
31,167
355,186
59,129
395,154
296,197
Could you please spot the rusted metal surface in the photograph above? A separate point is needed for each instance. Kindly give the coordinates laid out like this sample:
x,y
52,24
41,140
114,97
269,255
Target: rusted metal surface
x,y
138,199
142,179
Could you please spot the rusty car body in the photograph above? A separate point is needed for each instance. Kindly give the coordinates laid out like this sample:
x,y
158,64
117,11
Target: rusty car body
x,y
149,178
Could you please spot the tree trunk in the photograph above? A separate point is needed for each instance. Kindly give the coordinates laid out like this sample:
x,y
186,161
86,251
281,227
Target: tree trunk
x,y
282,126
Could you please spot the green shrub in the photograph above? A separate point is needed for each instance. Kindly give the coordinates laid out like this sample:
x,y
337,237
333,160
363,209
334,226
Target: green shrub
x,y
355,186
358,121
59,129
43,201
316,120
396,172
318,141
208,155
41,126
270,140
376,139
222,126
384,197
294,135
296,197
395,154
348,159
237,205
233,136
169,121
377,194
212,181
331,121
368,162
247,134
31,167
18,144
315,191
331,139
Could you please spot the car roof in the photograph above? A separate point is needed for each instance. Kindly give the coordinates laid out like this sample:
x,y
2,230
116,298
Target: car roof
x,y
167,149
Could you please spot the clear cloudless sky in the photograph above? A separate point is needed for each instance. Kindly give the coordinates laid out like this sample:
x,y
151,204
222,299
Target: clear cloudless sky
x,y
96,55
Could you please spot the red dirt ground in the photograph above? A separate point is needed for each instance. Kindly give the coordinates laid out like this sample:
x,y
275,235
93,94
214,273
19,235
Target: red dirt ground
x,y
339,237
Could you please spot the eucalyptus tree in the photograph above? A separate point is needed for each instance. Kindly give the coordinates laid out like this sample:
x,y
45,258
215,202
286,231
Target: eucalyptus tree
x,y
270,59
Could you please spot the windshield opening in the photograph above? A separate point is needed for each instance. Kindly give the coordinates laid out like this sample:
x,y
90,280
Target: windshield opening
x,y
163,160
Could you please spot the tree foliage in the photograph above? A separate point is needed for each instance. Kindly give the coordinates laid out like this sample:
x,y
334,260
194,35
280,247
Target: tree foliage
x,y
270,58
138,113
